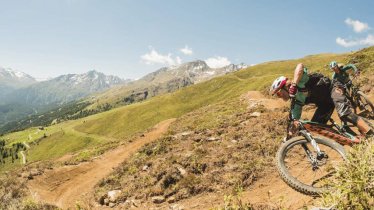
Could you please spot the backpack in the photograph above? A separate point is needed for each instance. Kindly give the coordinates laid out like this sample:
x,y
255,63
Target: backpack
x,y
317,79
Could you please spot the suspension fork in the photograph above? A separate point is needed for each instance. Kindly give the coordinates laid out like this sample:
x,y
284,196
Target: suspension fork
x,y
309,137
320,155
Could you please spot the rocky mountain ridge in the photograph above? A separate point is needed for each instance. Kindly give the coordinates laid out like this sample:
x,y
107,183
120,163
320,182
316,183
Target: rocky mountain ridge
x,y
18,101
63,89
197,71
15,79
163,80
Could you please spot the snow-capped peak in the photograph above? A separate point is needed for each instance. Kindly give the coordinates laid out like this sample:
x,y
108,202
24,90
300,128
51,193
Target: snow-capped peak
x,y
90,77
14,78
12,73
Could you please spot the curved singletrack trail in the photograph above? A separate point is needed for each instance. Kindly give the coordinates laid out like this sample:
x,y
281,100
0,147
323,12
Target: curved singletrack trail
x,y
268,191
66,185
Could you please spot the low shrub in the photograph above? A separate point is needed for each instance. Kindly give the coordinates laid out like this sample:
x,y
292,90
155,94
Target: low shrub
x,y
353,184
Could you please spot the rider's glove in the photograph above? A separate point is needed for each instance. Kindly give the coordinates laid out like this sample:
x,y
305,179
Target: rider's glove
x,y
292,90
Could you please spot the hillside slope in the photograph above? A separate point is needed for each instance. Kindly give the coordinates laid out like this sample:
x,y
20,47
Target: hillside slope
x,y
164,80
64,186
180,102
217,149
124,122
210,110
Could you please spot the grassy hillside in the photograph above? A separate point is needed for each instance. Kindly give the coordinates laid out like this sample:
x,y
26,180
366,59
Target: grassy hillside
x,y
219,147
123,123
209,109
120,122
215,148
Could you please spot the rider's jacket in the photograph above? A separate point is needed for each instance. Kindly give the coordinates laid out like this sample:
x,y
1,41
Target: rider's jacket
x,y
343,76
312,89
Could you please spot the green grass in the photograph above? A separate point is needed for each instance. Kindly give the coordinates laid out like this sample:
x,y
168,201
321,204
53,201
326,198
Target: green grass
x,y
58,144
352,186
28,135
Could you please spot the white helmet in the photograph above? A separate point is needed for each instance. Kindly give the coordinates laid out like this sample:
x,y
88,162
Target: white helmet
x,y
333,64
278,84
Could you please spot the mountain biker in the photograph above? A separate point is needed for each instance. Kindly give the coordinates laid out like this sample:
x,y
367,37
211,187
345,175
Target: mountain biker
x,y
306,89
343,107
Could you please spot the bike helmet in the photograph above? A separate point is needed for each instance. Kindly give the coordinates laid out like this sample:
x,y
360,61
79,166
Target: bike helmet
x,y
333,64
278,84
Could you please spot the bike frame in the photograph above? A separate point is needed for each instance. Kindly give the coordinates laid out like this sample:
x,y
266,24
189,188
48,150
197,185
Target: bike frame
x,y
341,134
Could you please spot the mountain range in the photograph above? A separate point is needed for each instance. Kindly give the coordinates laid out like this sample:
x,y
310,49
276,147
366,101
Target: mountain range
x,y
22,95
35,98
10,80
163,80
15,79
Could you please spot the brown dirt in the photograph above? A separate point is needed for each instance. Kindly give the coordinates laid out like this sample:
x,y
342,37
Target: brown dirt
x,y
256,98
64,186
269,191
273,190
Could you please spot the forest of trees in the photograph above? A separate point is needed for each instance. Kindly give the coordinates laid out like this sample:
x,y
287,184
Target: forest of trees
x,y
11,152
70,111
77,109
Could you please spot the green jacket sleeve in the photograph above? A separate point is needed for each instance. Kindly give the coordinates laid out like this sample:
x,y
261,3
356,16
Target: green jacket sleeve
x,y
350,66
296,111
298,107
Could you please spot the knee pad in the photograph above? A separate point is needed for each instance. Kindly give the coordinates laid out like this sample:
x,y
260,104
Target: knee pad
x,y
351,117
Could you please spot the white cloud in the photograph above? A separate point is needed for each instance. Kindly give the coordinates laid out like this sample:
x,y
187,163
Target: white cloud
x,y
368,41
186,50
357,25
217,62
154,57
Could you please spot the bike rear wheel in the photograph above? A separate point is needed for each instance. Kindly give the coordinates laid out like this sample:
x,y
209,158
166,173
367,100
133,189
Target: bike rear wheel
x,y
365,105
296,170
369,123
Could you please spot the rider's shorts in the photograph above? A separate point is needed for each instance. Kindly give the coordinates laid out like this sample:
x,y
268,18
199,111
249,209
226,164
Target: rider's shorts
x,y
342,104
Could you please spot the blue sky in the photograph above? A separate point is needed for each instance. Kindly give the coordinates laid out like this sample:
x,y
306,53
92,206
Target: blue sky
x,y
47,38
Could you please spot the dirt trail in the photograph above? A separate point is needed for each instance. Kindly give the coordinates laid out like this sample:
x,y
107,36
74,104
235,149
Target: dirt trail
x,y
65,185
256,98
272,189
268,191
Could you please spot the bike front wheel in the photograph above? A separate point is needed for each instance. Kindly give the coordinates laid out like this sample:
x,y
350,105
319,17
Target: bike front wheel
x,y
296,168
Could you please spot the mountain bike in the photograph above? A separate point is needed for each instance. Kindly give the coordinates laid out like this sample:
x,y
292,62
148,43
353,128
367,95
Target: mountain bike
x,y
360,101
307,159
